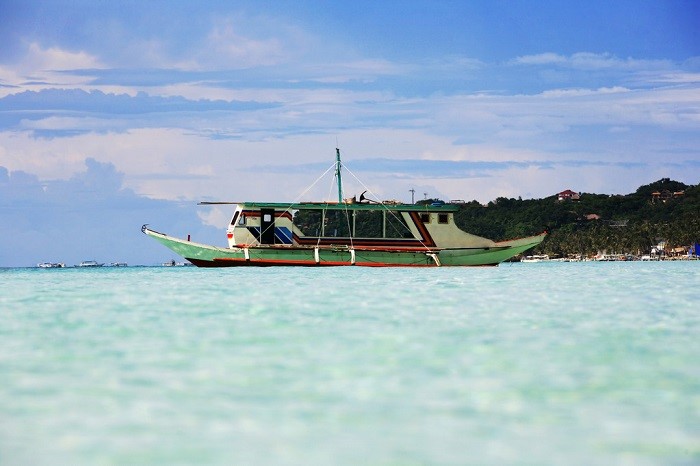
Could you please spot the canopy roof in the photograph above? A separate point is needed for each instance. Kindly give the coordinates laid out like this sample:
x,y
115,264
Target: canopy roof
x,y
342,206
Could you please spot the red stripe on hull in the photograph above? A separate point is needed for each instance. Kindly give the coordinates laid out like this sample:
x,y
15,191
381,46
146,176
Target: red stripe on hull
x,y
233,262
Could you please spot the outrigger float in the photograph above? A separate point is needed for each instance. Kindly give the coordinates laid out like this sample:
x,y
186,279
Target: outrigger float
x,y
346,232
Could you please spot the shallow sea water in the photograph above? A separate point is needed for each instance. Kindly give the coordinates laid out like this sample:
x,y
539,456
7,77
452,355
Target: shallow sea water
x,y
549,363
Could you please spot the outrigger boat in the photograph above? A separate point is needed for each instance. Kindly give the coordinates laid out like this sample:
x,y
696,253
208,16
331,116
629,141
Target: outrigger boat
x,y
346,232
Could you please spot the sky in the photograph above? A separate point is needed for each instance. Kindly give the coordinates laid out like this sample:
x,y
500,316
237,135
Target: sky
x,y
118,114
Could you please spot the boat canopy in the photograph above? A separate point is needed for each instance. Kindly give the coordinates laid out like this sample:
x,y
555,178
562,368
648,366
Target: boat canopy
x,y
349,206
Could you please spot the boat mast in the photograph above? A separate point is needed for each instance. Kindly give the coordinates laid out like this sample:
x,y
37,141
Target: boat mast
x,y
337,174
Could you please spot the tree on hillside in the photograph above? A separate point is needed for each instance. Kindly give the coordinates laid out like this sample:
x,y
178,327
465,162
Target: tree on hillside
x,y
596,222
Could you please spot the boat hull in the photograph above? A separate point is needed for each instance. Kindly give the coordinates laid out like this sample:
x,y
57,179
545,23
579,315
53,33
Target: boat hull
x,y
203,255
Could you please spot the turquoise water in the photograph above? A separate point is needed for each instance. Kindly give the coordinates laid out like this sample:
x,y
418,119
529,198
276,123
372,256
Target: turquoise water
x,y
574,363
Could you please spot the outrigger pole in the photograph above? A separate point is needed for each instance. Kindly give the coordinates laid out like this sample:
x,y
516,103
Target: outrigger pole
x,y
337,174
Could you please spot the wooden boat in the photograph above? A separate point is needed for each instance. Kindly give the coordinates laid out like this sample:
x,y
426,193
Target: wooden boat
x,y
346,232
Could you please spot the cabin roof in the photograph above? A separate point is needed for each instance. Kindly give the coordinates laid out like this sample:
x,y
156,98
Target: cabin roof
x,y
347,206
567,192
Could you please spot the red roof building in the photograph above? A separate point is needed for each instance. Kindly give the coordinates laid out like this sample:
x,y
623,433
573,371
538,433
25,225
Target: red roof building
x,y
568,195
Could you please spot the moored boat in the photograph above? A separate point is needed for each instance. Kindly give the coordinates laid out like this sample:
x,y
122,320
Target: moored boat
x,y
90,264
536,258
173,263
51,265
346,232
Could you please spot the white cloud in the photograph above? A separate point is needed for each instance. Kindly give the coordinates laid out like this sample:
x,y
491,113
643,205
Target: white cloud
x,y
178,156
242,42
541,59
168,164
88,215
559,93
237,51
40,68
676,78
55,58
596,124
516,119
361,70
215,216
592,61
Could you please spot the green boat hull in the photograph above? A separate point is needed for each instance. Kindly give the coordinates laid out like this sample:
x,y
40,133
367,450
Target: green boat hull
x,y
203,255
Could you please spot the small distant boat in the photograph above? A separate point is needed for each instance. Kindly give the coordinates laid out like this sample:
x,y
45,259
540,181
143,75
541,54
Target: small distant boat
x,y
349,232
536,258
51,265
89,264
118,264
603,257
172,263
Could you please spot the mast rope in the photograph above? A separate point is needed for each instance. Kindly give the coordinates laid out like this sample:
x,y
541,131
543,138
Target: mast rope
x,y
298,198
308,188
336,166
393,214
324,211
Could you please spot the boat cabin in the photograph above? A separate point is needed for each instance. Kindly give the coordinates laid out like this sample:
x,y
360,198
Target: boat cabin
x,y
348,224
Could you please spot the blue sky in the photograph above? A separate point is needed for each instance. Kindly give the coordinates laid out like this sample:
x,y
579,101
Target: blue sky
x,y
114,114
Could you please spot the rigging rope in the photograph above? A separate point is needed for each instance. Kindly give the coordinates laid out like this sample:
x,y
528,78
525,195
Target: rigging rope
x,y
346,210
298,198
386,208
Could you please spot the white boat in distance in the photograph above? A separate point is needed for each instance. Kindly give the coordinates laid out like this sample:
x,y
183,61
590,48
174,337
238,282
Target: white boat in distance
x,y
536,258
172,263
89,264
51,265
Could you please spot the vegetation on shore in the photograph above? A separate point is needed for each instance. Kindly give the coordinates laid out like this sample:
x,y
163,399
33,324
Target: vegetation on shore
x,y
665,210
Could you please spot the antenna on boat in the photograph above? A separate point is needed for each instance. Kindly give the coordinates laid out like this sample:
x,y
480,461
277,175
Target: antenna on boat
x,y
338,165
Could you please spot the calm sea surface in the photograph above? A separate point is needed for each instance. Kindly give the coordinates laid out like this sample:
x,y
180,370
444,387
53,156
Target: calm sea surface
x,y
580,363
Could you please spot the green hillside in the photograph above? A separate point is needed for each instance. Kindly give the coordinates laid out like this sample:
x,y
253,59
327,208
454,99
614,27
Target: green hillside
x,y
594,222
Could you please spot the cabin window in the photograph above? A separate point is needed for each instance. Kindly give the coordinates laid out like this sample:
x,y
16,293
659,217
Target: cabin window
x,y
241,221
308,221
425,218
336,224
315,223
368,224
443,218
235,217
359,224
396,226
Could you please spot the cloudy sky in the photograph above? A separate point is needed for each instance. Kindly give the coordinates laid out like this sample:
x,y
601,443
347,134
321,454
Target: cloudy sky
x,y
115,114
